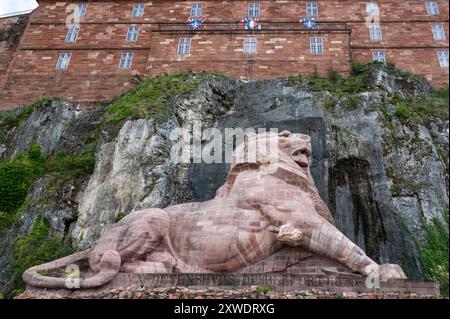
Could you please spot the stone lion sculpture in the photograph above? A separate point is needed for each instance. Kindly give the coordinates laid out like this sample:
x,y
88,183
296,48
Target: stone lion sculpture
x,y
264,206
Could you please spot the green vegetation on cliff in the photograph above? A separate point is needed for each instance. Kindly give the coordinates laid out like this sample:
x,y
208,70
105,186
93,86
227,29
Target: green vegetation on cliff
x,y
434,254
424,108
16,178
357,82
18,175
360,80
150,97
412,107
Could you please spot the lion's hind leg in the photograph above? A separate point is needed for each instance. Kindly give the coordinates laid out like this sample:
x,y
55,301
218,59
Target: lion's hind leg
x,y
158,261
134,238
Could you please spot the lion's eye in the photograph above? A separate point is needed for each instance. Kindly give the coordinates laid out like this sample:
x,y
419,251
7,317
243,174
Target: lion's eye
x,y
298,152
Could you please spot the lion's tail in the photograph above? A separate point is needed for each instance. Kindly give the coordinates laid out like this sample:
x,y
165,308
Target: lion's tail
x,y
109,267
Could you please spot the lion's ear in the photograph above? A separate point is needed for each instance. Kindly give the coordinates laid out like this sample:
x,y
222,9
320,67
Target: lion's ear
x,y
284,134
306,138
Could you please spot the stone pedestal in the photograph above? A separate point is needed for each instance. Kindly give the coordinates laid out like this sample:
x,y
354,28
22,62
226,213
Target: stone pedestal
x,y
277,282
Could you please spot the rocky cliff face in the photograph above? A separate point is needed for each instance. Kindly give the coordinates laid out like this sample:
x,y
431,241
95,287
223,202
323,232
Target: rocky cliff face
x,y
381,168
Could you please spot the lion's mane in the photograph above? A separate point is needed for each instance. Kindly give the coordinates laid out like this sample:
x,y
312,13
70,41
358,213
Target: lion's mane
x,y
280,165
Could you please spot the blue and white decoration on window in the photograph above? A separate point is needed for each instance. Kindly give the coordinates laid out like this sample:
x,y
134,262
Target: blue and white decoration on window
x,y
251,23
310,23
195,23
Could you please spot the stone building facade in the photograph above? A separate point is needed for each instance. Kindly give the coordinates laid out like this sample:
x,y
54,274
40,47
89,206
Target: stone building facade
x,y
95,59
11,30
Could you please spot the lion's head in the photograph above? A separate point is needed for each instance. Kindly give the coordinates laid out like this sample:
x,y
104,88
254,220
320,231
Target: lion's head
x,y
285,155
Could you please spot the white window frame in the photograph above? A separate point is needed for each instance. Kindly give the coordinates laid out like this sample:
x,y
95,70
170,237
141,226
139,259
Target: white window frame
x,y
379,56
312,8
432,8
316,45
81,9
254,9
63,61
250,45
375,32
132,33
196,9
184,46
126,60
72,34
138,10
438,32
372,9
443,58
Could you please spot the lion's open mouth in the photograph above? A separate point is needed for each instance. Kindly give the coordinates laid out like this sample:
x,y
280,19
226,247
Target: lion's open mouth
x,y
300,156
303,166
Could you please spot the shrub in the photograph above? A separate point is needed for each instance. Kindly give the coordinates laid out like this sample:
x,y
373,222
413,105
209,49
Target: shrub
x,y
402,111
434,254
334,76
63,164
263,290
16,178
329,104
352,102
6,219
423,109
359,68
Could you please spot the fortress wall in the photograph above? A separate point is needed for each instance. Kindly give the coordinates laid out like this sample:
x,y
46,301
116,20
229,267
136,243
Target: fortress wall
x,y
277,54
283,44
11,30
233,10
96,77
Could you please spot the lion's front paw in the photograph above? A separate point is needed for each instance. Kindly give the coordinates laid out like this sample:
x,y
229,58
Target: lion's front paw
x,y
290,235
385,271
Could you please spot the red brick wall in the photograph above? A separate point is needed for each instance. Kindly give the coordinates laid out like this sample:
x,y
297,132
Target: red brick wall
x,y
283,44
91,36
11,30
233,10
277,54
93,75
398,34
